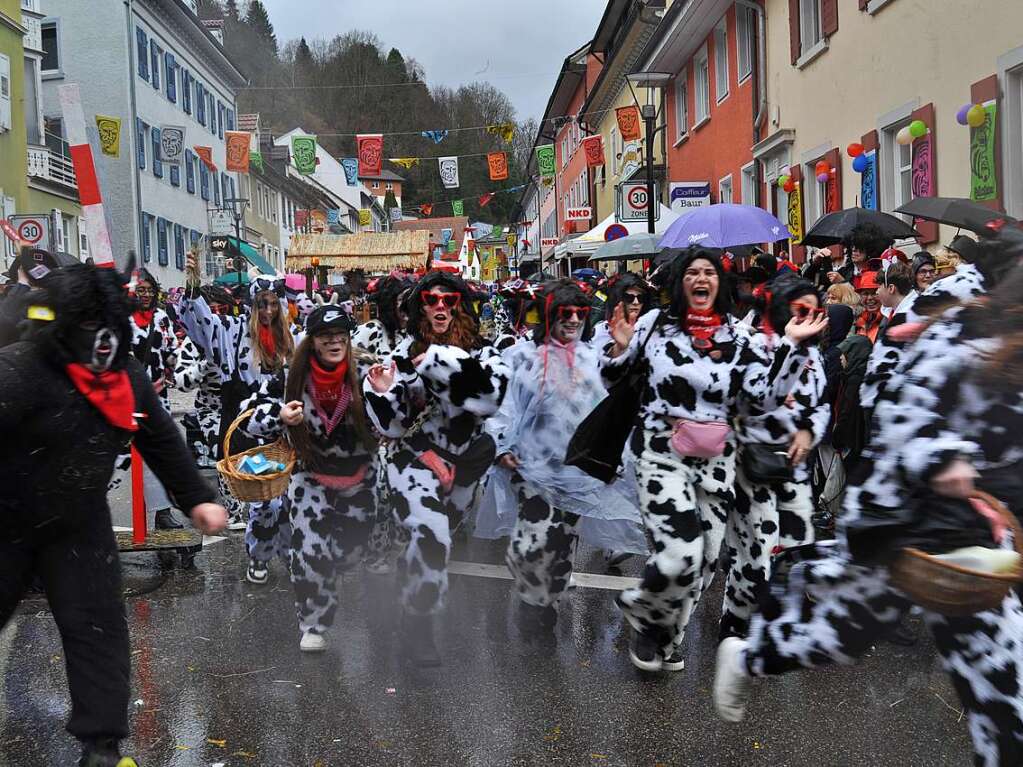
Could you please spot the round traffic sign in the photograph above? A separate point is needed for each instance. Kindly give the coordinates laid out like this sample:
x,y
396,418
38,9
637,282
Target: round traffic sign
x,y
31,232
614,232
637,198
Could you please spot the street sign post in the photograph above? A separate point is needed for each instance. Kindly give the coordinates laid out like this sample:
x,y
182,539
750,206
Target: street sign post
x,y
33,229
633,201
221,222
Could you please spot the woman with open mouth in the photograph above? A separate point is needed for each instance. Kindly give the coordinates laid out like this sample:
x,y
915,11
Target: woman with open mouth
x,y
700,364
444,382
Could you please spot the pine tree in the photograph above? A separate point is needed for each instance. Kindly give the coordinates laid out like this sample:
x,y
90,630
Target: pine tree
x,y
396,63
209,9
231,10
259,21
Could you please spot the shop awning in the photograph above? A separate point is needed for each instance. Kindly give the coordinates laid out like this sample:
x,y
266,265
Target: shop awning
x,y
251,255
586,244
370,251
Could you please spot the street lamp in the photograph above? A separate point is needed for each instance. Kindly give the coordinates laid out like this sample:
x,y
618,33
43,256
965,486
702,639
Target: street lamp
x,y
237,213
652,81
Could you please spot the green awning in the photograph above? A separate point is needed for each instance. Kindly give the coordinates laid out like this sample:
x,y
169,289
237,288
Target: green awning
x,y
251,255
232,278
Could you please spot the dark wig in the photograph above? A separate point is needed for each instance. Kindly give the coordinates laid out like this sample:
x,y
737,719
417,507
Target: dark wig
x,y
386,295
85,293
869,238
784,290
679,307
616,288
560,293
464,331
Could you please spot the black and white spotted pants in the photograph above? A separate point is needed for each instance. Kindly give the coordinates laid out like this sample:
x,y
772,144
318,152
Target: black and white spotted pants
x,y
540,551
268,533
685,503
765,519
430,516
833,610
330,530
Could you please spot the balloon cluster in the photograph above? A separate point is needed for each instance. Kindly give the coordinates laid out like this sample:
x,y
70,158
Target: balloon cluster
x,y
973,115
823,171
859,158
786,182
907,135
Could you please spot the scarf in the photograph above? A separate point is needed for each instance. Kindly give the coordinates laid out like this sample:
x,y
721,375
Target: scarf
x,y
702,324
109,392
330,392
266,340
143,317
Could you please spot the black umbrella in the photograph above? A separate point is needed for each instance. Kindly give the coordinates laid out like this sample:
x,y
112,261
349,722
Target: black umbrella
x,y
954,211
835,227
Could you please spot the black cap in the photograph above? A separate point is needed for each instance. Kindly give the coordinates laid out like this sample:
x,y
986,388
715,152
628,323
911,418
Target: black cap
x,y
330,317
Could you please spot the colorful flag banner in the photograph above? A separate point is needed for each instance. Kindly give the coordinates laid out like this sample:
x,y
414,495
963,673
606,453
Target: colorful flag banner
x,y
237,143
351,168
505,130
510,239
451,246
318,221
395,214
426,208
256,161
333,216
983,165
205,155
628,122
868,182
445,235
457,208
172,144
795,216
593,148
109,135
371,153
405,162
448,171
303,154
436,136
365,217
485,198
498,164
545,161
301,217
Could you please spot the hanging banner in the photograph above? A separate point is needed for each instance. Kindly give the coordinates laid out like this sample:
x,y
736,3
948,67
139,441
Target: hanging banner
x,y
395,215
436,136
451,246
795,216
237,143
505,130
318,221
351,169
426,208
301,218
983,171
371,153
593,148
256,161
923,167
498,164
445,235
205,155
172,144
365,218
868,181
303,154
628,122
457,208
333,216
545,161
510,239
109,135
405,162
448,167
485,198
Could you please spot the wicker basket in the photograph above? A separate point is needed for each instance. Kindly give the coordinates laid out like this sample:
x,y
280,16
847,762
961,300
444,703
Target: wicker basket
x,y
253,487
953,590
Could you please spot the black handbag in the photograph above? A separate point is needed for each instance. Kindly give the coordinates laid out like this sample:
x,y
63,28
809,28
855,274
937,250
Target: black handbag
x,y
599,440
765,464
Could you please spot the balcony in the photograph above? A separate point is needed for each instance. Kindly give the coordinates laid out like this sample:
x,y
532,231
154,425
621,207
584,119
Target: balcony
x,y
49,166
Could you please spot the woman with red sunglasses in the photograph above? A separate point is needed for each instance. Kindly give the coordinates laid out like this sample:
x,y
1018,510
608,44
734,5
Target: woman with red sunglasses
x,y
445,380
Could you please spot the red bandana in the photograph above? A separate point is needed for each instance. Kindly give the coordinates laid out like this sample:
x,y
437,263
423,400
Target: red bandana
x,y
327,383
702,324
143,317
266,340
109,392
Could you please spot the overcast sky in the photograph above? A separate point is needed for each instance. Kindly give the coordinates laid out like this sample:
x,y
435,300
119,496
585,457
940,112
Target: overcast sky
x,y
516,45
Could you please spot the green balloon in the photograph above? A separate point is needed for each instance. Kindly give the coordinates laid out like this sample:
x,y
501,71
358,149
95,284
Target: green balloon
x,y
918,128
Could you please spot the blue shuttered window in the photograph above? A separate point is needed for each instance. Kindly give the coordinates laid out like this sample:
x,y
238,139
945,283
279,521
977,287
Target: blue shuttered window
x,y
142,52
172,76
230,119
216,189
213,114
147,241
225,188
161,241
179,247
140,142
186,91
175,175
154,51
157,165
220,120
200,103
204,181
194,237
190,171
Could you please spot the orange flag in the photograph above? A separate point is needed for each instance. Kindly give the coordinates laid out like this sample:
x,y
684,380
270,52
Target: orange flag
x,y
628,122
205,153
237,150
498,163
593,148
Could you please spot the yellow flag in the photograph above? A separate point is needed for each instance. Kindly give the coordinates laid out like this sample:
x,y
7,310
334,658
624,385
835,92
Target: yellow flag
x,y
505,130
109,135
365,218
795,216
405,162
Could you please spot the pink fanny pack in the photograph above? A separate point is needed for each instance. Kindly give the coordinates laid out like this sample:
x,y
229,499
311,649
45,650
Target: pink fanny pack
x,y
335,482
699,439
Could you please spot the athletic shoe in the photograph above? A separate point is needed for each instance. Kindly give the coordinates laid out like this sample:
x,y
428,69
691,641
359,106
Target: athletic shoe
x,y
731,680
236,522
104,753
164,519
613,559
378,566
645,653
257,572
674,662
312,642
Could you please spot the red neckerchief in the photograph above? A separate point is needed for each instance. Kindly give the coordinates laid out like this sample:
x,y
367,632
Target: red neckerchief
x,y
331,394
143,317
109,392
266,340
702,324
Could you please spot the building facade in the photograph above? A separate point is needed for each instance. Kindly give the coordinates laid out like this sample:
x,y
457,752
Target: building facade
x,y
384,182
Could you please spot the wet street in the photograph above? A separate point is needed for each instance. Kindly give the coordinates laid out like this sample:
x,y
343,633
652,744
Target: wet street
x,y
219,680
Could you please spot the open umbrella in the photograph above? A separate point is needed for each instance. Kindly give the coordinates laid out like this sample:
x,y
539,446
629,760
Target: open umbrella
x,y
833,228
724,225
954,211
582,274
630,248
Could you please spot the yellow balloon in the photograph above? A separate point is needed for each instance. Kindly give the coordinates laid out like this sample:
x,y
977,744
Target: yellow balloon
x,y
904,136
976,116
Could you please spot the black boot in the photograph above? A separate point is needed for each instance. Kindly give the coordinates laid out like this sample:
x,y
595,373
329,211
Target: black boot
x,y
418,640
165,520
103,752
535,618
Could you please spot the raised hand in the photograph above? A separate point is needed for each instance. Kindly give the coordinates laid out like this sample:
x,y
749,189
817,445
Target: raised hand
x,y
800,330
621,329
192,269
292,413
381,378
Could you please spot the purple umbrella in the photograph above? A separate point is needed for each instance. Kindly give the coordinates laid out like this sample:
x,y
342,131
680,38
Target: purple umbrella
x,y
724,225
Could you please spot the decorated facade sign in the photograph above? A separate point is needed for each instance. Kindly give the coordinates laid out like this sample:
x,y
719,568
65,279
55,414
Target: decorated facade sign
x,y
983,170
593,148
237,143
868,180
365,217
628,122
370,153
579,214
923,167
448,167
795,216
683,195
545,161
109,135
172,144
303,154
497,162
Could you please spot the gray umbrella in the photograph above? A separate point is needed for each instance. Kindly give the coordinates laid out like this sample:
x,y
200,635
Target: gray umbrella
x,y
629,248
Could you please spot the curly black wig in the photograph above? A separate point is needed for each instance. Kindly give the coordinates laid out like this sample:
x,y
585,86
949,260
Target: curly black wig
x,y
869,238
556,294
438,279
616,288
679,307
386,295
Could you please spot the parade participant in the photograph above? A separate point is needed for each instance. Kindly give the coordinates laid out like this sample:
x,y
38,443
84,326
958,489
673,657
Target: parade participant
x,y
28,273
555,383
246,349
868,323
701,362
73,400
923,271
381,336
630,290
331,503
896,296
843,293
773,501
433,399
866,243
945,264
956,423
828,266
518,314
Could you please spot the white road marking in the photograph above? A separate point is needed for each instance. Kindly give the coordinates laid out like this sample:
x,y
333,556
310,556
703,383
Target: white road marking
x,y
206,539
584,580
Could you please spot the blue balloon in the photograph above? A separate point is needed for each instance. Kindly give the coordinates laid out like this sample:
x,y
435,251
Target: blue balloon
x,y
860,163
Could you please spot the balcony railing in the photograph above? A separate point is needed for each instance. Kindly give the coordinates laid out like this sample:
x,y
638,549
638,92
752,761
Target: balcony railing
x,y
33,6
48,165
34,35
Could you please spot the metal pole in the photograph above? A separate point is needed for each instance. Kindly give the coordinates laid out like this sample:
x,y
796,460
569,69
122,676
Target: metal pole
x,y
648,121
238,246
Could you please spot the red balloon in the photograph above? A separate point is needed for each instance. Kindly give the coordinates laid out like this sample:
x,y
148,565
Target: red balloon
x,y
854,149
822,167
789,187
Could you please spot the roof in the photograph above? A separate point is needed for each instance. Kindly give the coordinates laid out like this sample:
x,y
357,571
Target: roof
x,y
683,28
249,122
193,24
434,226
371,251
384,175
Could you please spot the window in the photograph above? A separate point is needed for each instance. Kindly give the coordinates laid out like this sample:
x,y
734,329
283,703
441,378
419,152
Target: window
x,y
51,48
273,207
170,64
897,166
749,182
142,52
225,188
230,118
157,164
204,181
179,247
216,188
212,109
220,120
140,142
701,69
810,34
190,171
175,175
721,60
186,91
682,104
147,238
161,241
389,187
745,39
155,54
5,93
200,103
376,184
725,189
816,194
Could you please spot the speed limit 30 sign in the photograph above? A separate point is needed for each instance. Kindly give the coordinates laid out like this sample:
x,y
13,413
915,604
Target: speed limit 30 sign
x,y
633,201
35,230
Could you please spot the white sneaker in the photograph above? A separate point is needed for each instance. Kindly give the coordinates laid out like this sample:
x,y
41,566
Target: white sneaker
x,y
312,642
674,662
731,681
257,572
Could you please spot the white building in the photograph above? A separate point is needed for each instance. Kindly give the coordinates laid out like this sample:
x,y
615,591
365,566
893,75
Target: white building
x,y
151,63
